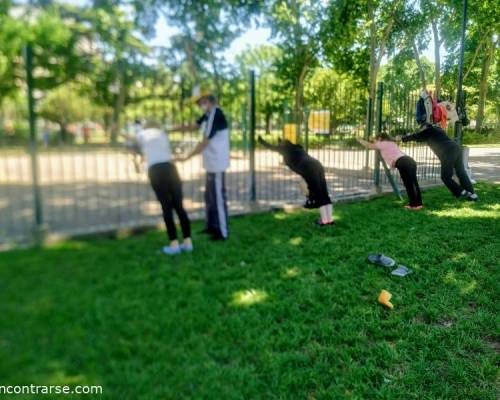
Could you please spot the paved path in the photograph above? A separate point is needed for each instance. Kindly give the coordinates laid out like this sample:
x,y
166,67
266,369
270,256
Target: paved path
x,y
485,163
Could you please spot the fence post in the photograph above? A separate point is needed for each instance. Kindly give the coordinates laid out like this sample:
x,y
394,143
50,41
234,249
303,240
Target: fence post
x,y
39,231
251,126
378,130
368,131
306,143
460,100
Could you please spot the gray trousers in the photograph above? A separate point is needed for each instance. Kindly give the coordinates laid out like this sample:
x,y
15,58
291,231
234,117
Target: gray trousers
x,y
216,203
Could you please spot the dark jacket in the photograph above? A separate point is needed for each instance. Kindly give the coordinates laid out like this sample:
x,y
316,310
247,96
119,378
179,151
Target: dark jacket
x,y
435,137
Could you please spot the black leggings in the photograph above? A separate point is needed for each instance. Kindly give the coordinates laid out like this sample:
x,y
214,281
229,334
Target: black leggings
x,y
312,171
407,168
452,161
167,186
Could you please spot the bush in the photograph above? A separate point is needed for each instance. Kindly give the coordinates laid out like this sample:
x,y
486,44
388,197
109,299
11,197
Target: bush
x,y
487,136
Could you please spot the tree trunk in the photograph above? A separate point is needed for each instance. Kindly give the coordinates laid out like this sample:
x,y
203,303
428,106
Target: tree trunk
x,y
299,98
117,110
376,57
268,122
372,73
63,131
421,72
217,78
483,86
437,59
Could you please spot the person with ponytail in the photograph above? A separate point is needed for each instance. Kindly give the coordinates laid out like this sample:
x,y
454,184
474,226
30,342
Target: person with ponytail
x,y
395,158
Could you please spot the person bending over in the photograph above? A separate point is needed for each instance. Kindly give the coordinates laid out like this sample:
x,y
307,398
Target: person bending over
x,y
166,183
450,156
311,170
406,166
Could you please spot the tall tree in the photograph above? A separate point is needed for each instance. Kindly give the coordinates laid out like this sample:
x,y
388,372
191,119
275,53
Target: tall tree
x,y
205,29
296,26
118,55
357,34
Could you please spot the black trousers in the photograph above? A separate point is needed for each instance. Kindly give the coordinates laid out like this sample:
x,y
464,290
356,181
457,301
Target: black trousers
x,y
313,173
216,204
452,162
167,186
407,168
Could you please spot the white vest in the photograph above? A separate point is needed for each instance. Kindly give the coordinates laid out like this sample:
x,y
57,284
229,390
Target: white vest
x,y
216,154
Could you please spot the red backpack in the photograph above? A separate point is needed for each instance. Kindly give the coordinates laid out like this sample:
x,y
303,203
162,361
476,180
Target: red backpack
x,y
436,110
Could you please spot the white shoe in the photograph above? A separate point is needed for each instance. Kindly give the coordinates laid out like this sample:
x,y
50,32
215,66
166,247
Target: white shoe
x,y
187,248
171,251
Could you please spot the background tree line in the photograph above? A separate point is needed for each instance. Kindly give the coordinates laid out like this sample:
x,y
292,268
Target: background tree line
x,y
95,61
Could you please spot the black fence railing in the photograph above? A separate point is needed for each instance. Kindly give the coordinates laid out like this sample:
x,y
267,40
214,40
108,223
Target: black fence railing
x,y
87,184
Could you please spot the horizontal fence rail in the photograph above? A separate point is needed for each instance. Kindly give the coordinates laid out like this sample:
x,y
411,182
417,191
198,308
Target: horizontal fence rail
x,y
89,185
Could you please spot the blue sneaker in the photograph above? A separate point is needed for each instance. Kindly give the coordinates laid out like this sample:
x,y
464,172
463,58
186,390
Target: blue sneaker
x,y
186,248
171,251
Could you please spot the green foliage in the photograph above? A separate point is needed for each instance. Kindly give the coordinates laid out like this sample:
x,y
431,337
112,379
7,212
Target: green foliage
x,y
401,73
487,136
282,310
273,93
102,49
64,106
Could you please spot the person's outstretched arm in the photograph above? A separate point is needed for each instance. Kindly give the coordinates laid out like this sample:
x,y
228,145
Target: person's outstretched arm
x,y
215,124
420,136
366,144
270,146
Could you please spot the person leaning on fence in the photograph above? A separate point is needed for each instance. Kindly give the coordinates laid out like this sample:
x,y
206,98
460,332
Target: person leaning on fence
x,y
311,170
214,148
154,145
406,166
450,156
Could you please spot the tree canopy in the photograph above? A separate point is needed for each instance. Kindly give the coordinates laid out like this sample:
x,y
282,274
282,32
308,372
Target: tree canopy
x,y
103,51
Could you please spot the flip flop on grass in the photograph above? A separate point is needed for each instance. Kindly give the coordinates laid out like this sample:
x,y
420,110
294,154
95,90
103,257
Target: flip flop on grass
x,y
380,259
401,270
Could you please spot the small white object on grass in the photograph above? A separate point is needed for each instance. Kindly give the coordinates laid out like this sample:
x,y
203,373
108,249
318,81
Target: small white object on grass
x,y
401,270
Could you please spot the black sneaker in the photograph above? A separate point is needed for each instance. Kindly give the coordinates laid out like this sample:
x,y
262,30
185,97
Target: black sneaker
x,y
464,195
309,204
472,197
217,236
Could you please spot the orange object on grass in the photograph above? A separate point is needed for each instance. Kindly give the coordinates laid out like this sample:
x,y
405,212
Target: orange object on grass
x,y
384,297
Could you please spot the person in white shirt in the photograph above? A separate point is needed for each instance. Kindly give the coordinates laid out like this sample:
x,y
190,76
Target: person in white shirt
x,y
215,151
165,181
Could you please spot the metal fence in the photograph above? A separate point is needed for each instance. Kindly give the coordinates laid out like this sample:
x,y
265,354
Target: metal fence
x,y
91,187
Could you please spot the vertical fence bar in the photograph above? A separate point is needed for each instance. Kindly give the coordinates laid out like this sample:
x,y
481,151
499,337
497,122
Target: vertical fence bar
x,y
378,128
369,128
460,100
37,196
306,143
251,125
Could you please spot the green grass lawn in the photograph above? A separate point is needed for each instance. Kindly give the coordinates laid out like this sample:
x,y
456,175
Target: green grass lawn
x,y
283,310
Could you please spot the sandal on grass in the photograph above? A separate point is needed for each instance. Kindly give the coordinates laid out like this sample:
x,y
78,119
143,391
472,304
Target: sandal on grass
x,y
380,259
401,270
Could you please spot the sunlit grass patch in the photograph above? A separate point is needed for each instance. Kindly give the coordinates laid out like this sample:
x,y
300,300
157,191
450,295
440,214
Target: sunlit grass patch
x,y
292,272
248,297
467,213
